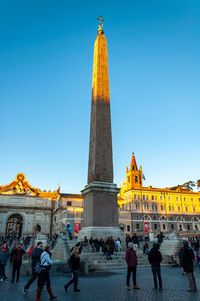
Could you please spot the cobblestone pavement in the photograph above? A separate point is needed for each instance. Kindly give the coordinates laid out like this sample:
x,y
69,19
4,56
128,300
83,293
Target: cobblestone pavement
x,y
109,286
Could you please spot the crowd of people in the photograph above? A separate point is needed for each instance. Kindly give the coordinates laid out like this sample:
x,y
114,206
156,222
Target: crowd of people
x,y
108,246
41,261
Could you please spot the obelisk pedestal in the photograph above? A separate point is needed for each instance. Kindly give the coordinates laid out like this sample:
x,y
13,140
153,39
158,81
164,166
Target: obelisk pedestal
x,y
100,216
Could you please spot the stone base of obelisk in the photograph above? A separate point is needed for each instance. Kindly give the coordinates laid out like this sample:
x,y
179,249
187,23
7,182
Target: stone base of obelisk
x,y
100,216
100,204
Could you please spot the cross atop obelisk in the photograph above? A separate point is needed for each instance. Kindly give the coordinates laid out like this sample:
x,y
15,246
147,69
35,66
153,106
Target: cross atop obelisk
x,y
100,18
100,30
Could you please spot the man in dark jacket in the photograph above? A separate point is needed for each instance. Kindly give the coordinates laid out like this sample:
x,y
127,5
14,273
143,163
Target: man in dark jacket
x,y
131,259
155,259
180,254
35,256
188,265
16,259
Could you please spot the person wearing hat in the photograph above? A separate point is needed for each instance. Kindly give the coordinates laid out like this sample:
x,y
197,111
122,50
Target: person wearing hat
x,y
131,259
155,259
188,265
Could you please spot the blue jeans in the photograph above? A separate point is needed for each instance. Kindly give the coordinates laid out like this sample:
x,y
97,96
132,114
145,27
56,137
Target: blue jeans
x,y
74,280
156,273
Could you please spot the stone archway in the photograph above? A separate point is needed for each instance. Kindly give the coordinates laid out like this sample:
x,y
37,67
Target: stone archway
x,y
14,225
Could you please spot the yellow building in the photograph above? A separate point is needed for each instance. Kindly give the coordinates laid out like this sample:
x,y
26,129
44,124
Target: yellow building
x,y
159,209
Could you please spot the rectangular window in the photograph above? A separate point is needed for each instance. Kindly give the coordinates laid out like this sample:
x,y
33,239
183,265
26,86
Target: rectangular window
x,y
188,227
135,196
155,226
128,179
186,209
170,208
172,227
128,228
169,198
136,206
137,226
193,209
161,197
146,206
184,199
154,207
162,207
177,198
69,203
192,199
179,209
152,197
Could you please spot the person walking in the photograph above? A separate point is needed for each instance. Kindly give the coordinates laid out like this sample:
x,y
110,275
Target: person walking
x,y
188,265
35,256
155,259
43,276
4,256
131,259
180,254
16,260
74,263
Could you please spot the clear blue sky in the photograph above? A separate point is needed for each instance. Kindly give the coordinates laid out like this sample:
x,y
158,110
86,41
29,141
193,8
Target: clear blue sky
x,y
46,57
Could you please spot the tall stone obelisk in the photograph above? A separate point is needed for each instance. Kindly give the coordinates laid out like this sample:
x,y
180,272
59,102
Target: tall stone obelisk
x,y
100,217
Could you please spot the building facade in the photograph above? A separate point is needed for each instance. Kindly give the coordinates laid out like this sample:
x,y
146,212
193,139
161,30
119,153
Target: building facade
x,y
157,209
24,210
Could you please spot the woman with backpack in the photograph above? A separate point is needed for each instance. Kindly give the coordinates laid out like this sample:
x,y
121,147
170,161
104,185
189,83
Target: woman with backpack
x,y
43,274
74,264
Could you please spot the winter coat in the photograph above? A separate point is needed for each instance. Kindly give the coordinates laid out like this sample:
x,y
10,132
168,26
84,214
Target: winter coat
x,y
155,257
180,254
35,256
75,262
131,258
16,255
4,256
188,259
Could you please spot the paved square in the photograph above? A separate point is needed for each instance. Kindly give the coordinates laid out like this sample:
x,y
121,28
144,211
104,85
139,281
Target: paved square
x,y
109,286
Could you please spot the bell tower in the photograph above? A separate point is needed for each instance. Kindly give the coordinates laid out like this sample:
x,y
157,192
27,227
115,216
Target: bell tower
x,y
133,175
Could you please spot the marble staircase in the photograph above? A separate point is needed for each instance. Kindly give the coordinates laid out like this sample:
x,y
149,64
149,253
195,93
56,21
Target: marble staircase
x,y
99,262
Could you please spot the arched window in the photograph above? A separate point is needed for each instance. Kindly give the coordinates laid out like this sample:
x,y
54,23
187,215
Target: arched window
x,y
14,225
147,218
163,219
